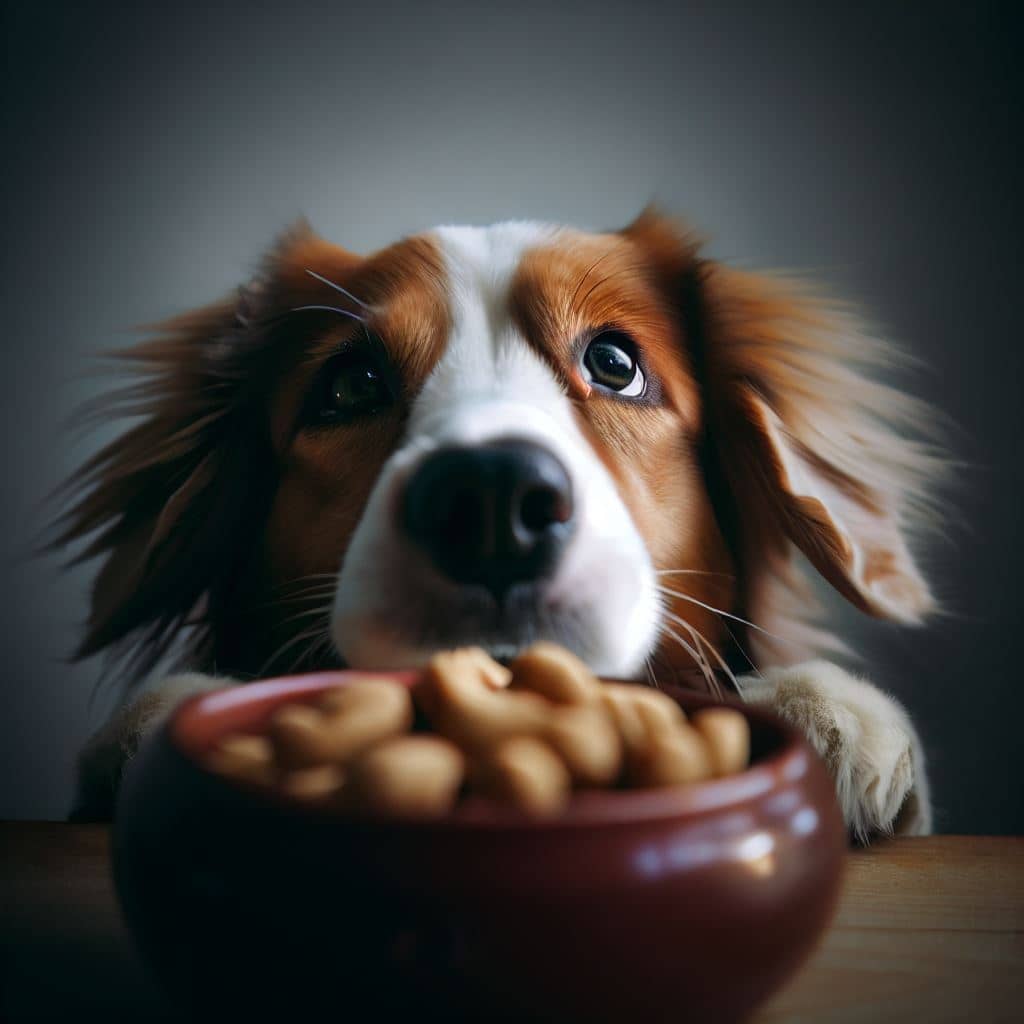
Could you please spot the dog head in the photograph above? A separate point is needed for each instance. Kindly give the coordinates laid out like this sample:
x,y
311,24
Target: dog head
x,y
496,435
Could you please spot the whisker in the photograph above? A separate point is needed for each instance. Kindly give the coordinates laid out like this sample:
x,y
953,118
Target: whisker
x,y
321,648
308,614
696,655
659,662
700,641
315,588
696,633
729,615
331,309
649,671
321,578
739,647
719,611
309,577
310,654
309,634
286,604
322,588
693,572
317,592
337,288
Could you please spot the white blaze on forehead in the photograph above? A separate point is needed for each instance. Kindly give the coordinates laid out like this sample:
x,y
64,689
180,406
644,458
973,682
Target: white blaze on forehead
x,y
486,356
481,263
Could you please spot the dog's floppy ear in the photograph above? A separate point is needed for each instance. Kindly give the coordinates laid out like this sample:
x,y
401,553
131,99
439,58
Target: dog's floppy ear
x,y
173,503
849,532
813,450
803,445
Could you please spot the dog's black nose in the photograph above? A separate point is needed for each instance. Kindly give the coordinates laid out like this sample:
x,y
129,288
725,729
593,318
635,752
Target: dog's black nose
x,y
493,515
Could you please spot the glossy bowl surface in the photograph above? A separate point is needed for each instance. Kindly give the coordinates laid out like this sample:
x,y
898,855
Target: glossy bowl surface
x,y
687,904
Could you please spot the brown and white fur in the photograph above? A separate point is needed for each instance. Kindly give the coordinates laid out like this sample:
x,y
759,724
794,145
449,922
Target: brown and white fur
x,y
274,545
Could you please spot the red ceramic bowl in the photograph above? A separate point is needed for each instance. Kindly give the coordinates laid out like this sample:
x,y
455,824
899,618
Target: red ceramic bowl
x,y
686,904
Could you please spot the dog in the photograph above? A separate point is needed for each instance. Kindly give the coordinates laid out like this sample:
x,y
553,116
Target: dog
x,y
494,435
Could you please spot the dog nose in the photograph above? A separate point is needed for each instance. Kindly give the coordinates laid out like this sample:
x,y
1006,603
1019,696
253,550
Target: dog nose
x,y
493,514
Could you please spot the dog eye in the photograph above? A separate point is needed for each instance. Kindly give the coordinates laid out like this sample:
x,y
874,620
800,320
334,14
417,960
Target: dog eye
x,y
350,384
611,361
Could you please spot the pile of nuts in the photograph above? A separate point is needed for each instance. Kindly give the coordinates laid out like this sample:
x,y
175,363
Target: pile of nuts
x,y
525,735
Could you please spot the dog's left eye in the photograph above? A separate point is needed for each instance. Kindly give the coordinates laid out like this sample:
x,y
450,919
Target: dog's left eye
x,y
611,361
349,385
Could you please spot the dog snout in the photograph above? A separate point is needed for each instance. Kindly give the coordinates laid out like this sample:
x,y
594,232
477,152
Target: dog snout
x,y
490,515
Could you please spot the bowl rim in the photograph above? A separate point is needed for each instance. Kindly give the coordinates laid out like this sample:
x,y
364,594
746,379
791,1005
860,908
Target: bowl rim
x,y
192,727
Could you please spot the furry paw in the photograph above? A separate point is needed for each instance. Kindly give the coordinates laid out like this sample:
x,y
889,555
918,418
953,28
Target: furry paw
x,y
102,761
865,738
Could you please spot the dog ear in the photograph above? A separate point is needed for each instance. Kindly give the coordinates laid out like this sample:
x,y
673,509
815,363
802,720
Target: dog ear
x,y
174,503
813,450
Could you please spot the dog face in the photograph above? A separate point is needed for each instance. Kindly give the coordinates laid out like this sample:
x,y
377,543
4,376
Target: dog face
x,y
497,435
516,504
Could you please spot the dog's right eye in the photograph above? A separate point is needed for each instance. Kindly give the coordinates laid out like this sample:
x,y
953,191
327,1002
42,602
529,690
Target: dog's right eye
x,y
349,385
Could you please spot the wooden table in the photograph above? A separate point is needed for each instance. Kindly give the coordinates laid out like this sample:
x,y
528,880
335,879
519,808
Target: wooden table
x,y
928,930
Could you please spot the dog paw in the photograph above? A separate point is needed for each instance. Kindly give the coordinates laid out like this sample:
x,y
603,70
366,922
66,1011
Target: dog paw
x,y
865,739
102,761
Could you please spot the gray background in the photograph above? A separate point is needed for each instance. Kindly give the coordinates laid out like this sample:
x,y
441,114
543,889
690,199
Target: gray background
x,y
151,154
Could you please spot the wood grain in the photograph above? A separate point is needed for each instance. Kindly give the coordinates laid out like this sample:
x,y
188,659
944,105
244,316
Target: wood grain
x,y
927,930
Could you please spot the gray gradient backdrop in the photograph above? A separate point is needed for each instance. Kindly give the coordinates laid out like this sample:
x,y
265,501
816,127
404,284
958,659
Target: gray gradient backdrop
x,y
151,155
